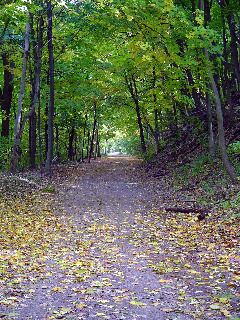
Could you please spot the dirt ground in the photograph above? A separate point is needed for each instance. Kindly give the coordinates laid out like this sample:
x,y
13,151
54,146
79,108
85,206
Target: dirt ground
x,y
118,254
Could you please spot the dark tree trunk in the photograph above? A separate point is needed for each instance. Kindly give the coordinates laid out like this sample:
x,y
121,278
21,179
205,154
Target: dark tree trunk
x,y
156,134
33,118
51,80
57,144
226,82
93,133
132,87
46,130
221,135
19,123
70,147
139,119
234,47
18,128
39,132
210,128
33,140
84,138
88,143
6,95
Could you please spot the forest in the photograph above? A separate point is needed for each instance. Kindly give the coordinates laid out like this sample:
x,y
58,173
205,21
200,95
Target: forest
x,y
159,79
119,159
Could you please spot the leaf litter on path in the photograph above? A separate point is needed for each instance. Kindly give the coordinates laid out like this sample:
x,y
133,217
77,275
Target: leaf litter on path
x,y
102,247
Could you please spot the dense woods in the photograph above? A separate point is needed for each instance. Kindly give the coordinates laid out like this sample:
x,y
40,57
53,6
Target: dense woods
x,y
151,233
79,78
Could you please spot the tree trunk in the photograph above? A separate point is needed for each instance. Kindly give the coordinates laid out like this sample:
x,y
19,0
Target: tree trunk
x,y
19,125
234,47
210,128
226,82
70,146
51,104
93,133
221,135
84,137
6,95
132,87
33,140
37,70
139,118
17,129
39,132
156,133
57,143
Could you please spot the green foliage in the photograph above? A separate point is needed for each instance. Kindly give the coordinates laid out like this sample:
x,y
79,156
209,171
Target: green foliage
x,y
49,189
97,45
131,145
234,148
5,152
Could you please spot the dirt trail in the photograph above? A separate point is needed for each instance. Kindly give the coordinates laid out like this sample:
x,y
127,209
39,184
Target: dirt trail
x,y
102,264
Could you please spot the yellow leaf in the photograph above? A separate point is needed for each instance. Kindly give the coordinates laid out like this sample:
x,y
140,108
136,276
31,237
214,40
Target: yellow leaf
x,y
225,312
137,303
57,289
166,310
163,280
193,271
81,306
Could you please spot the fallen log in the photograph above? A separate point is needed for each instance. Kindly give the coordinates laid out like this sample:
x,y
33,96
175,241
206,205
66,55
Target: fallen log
x,y
185,210
202,212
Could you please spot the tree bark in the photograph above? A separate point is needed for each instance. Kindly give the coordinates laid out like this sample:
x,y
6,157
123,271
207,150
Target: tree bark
x,y
234,47
19,123
210,128
70,146
93,132
221,134
6,95
51,80
17,129
39,133
132,87
33,117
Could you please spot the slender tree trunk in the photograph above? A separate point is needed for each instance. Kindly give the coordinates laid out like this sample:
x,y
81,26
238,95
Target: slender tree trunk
x,y
210,128
93,133
84,138
17,131
33,117
70,146
88,144
19,125
221,135
33,140
57,143
234,47
156,133
226,82
132,87
6,95
51,104
139,119
39,132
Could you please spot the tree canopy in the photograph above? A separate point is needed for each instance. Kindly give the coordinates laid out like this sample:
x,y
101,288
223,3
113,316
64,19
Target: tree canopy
x,y
137,76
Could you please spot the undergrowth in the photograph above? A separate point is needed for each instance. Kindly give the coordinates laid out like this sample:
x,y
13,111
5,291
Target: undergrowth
x,y
207,179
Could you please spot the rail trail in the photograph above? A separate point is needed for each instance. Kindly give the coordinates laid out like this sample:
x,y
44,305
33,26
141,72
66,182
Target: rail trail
x,y
115,253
